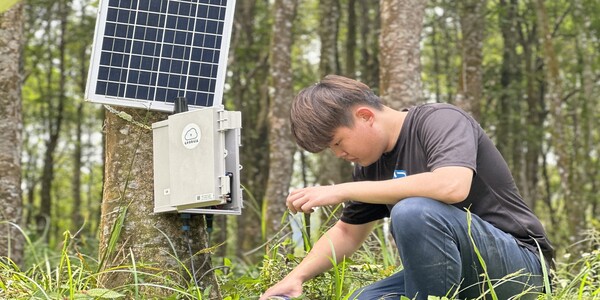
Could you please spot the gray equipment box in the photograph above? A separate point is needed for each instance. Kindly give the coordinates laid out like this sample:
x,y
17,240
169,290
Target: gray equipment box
x,y
196,162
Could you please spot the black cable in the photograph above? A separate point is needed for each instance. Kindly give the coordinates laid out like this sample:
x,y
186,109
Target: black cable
x,y
186,229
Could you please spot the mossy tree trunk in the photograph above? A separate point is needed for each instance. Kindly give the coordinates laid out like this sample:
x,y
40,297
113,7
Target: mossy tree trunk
x,y
155,242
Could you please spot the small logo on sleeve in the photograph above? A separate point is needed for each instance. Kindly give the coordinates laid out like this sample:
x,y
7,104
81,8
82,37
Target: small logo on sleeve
x,y
399,173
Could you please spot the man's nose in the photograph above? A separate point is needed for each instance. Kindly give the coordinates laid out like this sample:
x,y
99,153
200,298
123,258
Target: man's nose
x,y
339,153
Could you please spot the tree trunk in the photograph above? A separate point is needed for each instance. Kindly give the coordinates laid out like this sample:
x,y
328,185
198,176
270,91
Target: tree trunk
x,y
282,148
400,52
76,217
472,21
509,135
55,120
11,44
157,240
350,63
330,169
560,143
369,25
329,21
249,66
536,116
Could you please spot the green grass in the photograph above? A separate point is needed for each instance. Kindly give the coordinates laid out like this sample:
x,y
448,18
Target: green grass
x,y
68,273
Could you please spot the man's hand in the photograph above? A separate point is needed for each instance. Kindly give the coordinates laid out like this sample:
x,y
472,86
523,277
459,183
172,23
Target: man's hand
x,y
306,199
286,287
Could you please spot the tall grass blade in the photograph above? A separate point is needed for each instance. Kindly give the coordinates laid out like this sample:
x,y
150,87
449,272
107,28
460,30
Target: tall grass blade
x,y
115,233
480,258
135,275
547,286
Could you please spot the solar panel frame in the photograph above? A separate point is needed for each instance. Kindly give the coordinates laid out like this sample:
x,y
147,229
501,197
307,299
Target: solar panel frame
x,y
147,53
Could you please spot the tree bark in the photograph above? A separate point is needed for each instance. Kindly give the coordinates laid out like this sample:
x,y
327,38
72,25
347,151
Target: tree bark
x,y
55,113
249,66
400,52
575,206
509,114
369,24
11,45
330,169
282,148
472,21
157,240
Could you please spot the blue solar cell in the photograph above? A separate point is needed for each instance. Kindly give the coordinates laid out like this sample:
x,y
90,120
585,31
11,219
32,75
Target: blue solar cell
x,y
145,77
101,87
152,34
115,74
210,41
133,76
174,81
125,16
178,52
176,66
110,29
150,63
131,91
142,92
103,73
213,13
156,20
117,60
119,45
212,26
105,58
171,95
169,36
185,9
112,89
171,21
149,49
183,38
111,14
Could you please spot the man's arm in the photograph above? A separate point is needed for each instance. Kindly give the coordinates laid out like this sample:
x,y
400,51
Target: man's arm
x,y
340,241
445,184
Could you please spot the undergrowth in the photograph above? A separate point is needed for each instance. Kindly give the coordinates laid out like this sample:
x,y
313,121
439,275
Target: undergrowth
x,y
67,273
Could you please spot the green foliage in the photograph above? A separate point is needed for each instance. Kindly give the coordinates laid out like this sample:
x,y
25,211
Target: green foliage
x,y
6,5
71,274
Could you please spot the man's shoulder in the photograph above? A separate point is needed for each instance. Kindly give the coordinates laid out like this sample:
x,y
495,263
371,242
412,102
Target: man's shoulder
x,y
437,112
433,107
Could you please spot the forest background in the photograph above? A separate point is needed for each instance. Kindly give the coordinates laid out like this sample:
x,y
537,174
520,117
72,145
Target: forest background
x,y
528,71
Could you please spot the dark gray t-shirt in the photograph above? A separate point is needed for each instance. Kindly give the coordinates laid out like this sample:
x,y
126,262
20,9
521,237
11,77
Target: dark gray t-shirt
x,y
438,135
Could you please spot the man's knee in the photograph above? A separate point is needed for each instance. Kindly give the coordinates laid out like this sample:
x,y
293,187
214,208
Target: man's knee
x,y
413,209
413,215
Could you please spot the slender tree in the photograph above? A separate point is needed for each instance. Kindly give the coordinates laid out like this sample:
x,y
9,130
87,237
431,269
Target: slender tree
x,y
249,69
555,96
369,26
56,103
472,21
282,148
330,169
11,44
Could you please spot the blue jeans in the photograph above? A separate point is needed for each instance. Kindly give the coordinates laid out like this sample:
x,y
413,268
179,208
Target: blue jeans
x,y
439,258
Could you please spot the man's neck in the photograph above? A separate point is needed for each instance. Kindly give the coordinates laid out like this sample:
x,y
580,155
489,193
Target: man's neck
x,y
393,121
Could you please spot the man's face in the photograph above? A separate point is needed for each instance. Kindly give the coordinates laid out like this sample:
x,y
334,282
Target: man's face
x,y
360,144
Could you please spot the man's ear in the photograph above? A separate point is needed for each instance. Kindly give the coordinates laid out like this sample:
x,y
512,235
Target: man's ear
x,y
364,113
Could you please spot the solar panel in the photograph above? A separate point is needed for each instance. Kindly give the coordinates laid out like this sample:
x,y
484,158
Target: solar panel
x,y
147,53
